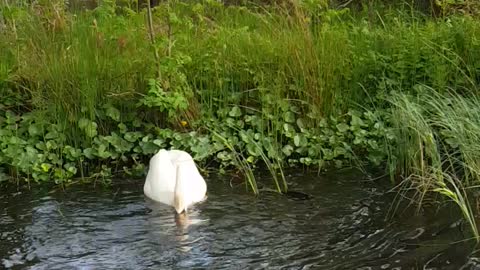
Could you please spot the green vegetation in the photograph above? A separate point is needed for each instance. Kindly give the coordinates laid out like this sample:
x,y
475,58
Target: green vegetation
x,y
437,145
95,93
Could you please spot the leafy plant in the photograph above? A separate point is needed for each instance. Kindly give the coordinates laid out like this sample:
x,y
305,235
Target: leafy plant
x,y
169,102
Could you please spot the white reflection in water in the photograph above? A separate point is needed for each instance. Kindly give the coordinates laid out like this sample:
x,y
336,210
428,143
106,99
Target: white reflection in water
x,y
184,230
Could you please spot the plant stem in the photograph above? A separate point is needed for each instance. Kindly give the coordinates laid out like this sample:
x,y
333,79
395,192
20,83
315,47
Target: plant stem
x,y
152,40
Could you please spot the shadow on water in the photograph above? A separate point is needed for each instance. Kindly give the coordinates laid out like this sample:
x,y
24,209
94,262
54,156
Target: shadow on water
x,y
340,225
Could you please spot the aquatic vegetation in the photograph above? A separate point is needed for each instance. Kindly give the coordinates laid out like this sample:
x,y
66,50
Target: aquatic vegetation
x,y
437,146
37,150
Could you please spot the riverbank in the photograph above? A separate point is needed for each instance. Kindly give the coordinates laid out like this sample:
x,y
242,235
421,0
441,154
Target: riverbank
x,y
89,95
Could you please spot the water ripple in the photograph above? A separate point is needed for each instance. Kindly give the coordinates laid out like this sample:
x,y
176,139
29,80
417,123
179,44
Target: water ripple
x,y
341,226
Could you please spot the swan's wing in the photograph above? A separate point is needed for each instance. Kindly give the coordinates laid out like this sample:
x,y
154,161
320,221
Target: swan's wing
x,y
161,178
195,187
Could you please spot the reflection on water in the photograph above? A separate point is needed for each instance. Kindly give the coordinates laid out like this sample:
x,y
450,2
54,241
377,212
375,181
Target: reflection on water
x,y
342,226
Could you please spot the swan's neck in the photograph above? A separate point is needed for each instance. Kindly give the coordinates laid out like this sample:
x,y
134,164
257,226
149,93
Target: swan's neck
x,y
178,197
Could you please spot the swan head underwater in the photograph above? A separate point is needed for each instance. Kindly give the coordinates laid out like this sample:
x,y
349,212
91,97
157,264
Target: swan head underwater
x,y
173,179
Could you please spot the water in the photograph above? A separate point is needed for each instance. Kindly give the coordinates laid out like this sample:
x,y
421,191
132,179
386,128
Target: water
x,y
342,226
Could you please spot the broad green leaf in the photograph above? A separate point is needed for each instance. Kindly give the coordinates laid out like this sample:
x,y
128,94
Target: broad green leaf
x,y
41,146
289,117
301,123
357,121
88,126
253,150
102,152
342,127
339,151
306,160
244,136
122,127
89,153
300,140
287,150
159,142
113,113
83,123
132,136
289,130
327,154
34,130
46,167
51,135
149,147
235,112
70,167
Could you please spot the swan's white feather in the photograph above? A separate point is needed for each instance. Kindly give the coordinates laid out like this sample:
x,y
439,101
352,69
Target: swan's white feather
x,y
169,169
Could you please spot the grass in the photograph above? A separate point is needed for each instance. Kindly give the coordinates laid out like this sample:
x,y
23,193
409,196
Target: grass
x,y
438,146
232,55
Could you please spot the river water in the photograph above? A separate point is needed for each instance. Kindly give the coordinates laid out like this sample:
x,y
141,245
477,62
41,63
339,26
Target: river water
x,y
343,225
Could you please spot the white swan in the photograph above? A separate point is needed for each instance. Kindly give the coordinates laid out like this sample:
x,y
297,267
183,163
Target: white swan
x,y
173,179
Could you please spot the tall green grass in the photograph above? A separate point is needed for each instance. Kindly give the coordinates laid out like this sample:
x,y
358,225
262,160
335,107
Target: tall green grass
x,y
232,55
438,146
72,65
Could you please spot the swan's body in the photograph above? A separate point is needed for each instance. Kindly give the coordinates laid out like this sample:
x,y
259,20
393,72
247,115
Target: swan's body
x,y
173,179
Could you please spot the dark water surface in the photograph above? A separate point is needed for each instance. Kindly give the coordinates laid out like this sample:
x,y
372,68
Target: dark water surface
x,y
342,226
